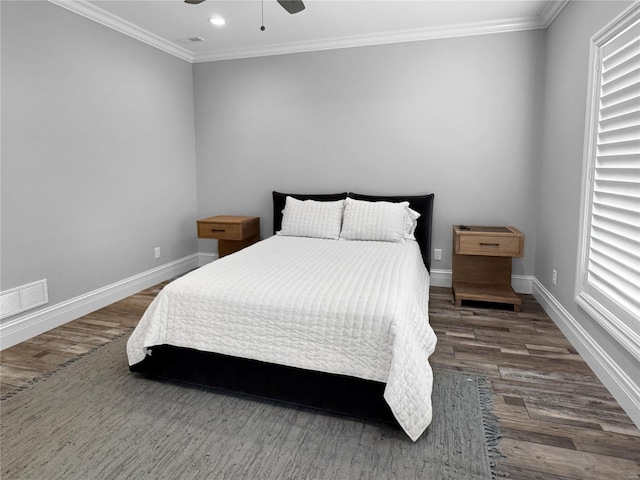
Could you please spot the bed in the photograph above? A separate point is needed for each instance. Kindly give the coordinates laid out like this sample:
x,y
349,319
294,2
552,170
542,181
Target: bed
x,y
323,314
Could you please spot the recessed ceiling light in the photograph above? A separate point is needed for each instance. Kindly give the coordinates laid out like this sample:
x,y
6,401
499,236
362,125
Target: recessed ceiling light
x,y
217,21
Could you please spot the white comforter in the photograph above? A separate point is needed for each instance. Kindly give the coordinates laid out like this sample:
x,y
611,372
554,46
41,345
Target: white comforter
x,y
344,307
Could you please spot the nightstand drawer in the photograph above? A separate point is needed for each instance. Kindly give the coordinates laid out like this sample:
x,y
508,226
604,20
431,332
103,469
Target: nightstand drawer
x,y
492,245
226,227
221,231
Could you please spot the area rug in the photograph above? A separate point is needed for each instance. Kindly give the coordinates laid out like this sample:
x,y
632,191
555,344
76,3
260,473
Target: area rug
x,y
93,419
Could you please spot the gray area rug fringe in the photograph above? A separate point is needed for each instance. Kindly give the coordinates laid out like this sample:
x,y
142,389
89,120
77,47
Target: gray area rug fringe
x,y
71,361
490,423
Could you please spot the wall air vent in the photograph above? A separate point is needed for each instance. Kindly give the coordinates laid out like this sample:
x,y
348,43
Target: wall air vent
x,y
25,297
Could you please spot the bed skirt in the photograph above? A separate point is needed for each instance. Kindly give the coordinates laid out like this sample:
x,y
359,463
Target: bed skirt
x,y
336,394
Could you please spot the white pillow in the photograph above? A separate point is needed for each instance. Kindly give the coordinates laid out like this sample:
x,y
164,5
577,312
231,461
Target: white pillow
x,y
412,223
377,221
310,218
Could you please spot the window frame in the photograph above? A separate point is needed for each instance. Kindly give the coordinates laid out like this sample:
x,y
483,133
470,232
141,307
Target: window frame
x,y
624,330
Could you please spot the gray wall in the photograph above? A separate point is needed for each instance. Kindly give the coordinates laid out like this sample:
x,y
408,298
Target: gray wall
x,y
458,117
561,176
98,155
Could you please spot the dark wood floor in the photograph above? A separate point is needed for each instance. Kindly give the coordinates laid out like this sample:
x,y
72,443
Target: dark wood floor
x,y
558,421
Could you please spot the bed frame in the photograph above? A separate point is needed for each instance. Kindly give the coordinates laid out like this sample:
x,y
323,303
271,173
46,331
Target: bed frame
x,y
338,394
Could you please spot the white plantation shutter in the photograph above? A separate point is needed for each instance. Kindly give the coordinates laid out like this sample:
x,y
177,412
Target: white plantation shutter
x,y
609,275
614,253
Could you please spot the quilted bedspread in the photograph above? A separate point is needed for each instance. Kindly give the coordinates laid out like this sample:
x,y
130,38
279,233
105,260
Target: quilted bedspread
x,y
344,307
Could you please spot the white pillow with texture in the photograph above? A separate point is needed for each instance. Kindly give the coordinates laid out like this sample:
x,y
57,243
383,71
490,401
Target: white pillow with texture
x,y
412,223
310,218
376,221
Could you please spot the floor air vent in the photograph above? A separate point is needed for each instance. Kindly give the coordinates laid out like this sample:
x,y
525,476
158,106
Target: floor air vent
x,y
25,297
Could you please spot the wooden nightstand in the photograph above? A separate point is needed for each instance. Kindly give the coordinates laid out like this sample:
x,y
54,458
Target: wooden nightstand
x,y
482,264
232,232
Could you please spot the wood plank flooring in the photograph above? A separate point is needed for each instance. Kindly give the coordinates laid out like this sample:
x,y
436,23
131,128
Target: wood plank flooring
x,y
558,421
40,355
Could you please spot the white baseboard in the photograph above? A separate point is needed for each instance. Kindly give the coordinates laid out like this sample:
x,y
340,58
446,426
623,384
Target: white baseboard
x,y
440,278
520,283
22,328
204,258
622,387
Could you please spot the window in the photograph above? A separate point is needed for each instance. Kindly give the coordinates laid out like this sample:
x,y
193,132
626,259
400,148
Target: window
x,y
608,280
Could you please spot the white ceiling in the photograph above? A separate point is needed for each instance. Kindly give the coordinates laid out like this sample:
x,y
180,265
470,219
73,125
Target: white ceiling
x,y
324,24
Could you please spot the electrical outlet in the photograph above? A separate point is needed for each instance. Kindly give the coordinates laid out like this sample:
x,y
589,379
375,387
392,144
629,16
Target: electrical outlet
x,y
554,277
157,252
437,254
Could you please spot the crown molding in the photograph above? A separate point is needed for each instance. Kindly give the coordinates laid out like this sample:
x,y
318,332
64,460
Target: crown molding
x,y
87,10
450,31
552,10
114,22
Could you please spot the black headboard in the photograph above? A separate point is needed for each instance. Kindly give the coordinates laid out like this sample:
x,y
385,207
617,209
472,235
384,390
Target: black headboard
x,y
423,204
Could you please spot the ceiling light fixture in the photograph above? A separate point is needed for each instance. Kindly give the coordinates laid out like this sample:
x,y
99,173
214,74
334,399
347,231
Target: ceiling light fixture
x,y
217,21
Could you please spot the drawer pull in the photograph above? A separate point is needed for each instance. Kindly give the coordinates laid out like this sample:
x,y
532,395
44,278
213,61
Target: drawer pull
x,y
489,244
217,230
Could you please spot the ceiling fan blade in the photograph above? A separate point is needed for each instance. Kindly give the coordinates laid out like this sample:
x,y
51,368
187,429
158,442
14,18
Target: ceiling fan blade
x,y
292,6
193,2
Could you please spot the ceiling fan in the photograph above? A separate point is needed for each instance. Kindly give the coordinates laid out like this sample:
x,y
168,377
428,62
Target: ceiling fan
x,y
291,6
